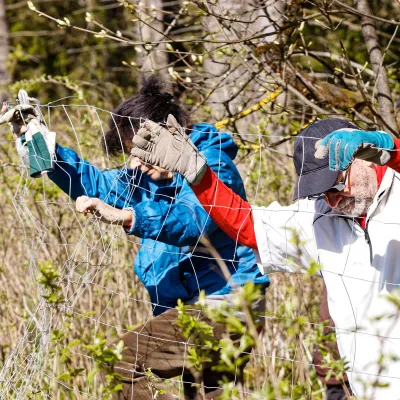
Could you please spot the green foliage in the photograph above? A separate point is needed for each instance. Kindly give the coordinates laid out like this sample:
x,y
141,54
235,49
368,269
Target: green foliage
x,y
56,62
200,334
49,277
234,347
71,371
153,380
106,357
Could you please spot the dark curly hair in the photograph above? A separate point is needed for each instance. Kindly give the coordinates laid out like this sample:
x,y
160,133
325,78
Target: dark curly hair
x,y
151,103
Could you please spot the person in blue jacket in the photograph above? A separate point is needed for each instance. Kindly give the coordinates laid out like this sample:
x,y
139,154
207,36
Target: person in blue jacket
x,y
173,263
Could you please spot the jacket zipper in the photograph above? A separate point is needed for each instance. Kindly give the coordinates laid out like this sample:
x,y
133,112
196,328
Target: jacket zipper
x,y
368,240
366,236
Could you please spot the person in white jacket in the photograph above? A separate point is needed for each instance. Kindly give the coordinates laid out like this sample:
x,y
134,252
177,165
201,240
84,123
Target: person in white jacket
x,y
346,213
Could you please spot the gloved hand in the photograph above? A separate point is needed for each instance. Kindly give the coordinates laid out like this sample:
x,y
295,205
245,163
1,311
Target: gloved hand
x,y
106,213
18,116
35,144
170,149
344,145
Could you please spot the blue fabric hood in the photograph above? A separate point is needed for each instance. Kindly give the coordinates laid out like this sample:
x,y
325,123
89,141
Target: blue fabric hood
x,y
206,136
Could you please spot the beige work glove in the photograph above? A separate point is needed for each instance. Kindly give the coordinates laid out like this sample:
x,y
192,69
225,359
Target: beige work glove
x,y
170,149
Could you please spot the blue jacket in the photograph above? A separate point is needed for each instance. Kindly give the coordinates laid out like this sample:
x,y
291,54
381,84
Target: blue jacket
x,y
171,263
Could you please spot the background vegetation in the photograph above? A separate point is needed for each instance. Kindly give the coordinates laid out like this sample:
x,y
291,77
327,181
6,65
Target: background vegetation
x,y
262,70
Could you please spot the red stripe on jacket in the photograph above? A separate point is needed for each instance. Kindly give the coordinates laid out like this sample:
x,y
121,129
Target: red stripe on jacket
x,y
230,212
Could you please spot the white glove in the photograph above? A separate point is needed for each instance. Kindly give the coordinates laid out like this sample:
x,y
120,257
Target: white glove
x,y
18,116
35,144
170,149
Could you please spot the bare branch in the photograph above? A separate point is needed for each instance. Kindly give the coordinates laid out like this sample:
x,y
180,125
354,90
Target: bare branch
x,y
384,95
364,14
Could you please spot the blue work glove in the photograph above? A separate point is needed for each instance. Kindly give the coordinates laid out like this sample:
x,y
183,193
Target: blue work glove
x,y
344,145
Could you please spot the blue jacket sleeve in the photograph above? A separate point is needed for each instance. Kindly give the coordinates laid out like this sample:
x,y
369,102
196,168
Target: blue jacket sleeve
x,y
181,223
77,177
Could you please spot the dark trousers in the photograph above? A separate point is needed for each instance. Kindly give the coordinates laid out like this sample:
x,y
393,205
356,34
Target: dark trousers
x,y
337,392
159,345
336,389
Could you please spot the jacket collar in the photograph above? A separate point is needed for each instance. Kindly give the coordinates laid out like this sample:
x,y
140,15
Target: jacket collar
x,y
383,191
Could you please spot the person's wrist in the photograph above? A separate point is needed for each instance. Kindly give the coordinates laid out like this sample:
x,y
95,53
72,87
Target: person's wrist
x,y
127,219
199,176
384,140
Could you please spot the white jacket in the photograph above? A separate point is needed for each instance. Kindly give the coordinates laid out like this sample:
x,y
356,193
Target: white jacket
x,y
360,269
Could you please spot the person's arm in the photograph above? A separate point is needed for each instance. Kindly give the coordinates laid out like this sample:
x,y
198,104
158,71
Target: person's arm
x,y
104,212
230,212
185,220
179,224
77,177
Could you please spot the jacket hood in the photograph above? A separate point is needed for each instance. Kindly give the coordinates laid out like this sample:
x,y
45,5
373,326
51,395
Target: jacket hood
x,y
205,136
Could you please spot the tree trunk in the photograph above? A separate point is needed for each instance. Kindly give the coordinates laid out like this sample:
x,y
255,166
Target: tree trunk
x,y
3,52
384,95
228,72
154,60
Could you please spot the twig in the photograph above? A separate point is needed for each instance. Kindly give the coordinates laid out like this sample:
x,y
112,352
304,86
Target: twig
x,y
271,97
362,13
